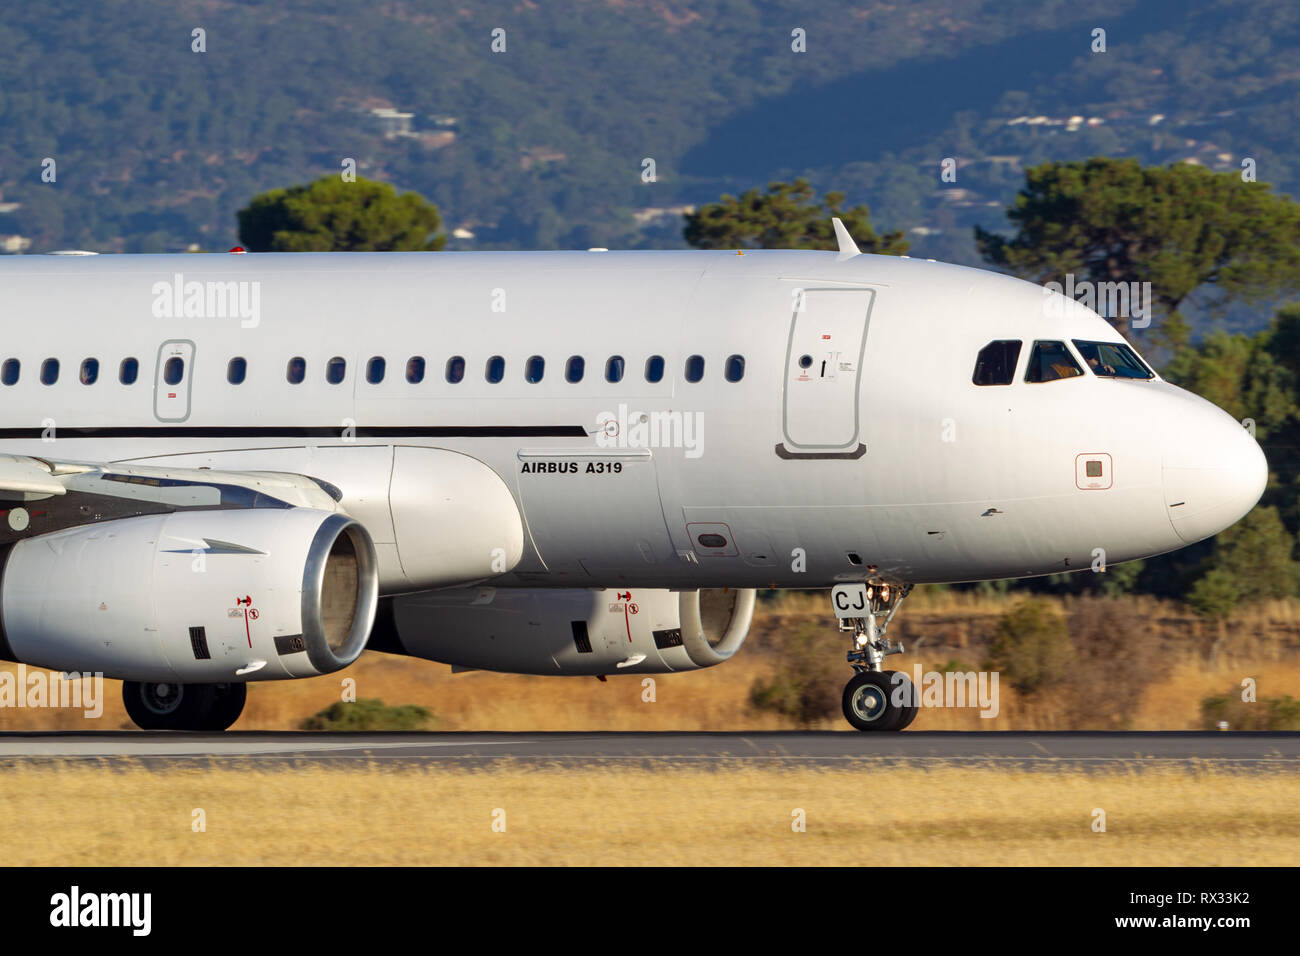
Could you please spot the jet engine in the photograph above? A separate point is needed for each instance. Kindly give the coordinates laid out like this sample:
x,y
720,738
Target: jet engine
x,y
193,596
567,631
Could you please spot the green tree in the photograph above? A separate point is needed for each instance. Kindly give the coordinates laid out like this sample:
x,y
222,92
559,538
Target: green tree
x,y
806,683
1266,713
1031,646
1214,595
1179,227
1251,561
330,215
372,714
1243,375
1256,378
787,216
1120,578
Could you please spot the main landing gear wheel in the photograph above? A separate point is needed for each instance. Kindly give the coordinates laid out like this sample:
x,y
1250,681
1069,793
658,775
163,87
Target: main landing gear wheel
x,y
163,705
227,703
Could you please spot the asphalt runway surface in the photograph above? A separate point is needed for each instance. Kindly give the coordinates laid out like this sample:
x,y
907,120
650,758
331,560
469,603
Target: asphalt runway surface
x,y
1250,751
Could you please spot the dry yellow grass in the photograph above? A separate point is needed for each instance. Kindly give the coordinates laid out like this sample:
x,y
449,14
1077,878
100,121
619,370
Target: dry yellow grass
x,y
78,814
937,627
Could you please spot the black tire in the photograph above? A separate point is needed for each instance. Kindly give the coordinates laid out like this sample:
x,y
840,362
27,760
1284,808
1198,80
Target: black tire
x,y
164,705
225,706
911,696
868,704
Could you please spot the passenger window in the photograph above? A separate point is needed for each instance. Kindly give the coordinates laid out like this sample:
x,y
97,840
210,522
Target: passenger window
x,y
654,368
335,370
50,371
173,370
296,371
1112,360
1051,361
735,368
89,371
574,369
415,370
236,370
614,369
455,369
128,371
496,369
534,368
695,368
996,363
375,370
9,372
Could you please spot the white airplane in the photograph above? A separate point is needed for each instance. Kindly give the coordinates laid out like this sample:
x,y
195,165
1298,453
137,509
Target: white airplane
x,y
221,469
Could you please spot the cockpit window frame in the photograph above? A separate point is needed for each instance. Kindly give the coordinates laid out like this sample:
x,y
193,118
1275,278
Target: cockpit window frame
x,y
1132,352
1074,362
1011,373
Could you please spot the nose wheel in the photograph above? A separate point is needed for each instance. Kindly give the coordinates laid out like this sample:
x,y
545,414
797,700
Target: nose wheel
x,y
879,700
874,699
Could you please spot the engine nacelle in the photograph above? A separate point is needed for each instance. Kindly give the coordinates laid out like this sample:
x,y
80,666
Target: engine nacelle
x,y
193,596
569,631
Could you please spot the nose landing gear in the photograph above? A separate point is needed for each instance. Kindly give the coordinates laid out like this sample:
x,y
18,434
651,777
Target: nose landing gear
x,y
874,698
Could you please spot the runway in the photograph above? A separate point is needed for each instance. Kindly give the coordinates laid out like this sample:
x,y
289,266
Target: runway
x,y
1253,751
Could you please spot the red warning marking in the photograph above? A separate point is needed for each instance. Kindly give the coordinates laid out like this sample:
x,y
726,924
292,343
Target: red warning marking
x,y
250,614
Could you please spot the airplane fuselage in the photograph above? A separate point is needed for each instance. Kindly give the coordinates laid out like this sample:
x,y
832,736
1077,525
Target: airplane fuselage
x,y
852,443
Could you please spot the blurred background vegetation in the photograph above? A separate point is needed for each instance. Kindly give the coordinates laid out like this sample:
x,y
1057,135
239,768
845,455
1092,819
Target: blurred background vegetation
x,y
542,146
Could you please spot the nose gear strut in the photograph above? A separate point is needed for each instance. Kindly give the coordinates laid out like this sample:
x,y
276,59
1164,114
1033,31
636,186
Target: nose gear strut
x,y
874,698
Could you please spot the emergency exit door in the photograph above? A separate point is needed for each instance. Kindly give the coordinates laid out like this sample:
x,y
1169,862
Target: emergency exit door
x,y
823,373
173,377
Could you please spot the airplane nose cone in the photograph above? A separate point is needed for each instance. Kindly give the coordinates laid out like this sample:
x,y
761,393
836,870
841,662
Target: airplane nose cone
x,y
1212,481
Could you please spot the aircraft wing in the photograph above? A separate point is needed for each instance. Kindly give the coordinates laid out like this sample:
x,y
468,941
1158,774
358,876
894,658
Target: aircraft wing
x,y
25,478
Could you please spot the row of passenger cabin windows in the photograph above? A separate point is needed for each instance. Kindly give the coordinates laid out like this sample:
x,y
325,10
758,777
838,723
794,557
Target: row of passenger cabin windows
x,y
127,372
1052,360
494,369
336,370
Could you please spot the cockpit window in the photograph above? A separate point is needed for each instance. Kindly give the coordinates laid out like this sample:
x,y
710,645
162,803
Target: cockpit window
x,y
1113,360
1050,361
996,363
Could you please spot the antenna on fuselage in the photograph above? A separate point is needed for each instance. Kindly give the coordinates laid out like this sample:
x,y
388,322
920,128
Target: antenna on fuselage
x,y
848,248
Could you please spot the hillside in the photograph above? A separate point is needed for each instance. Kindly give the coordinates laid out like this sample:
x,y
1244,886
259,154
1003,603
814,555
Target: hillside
x,y
541,146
